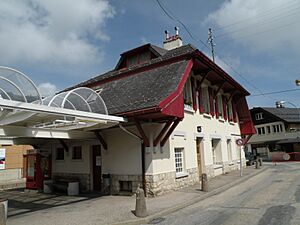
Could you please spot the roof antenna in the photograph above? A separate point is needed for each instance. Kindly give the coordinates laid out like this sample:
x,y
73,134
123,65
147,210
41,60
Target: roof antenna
x,y
176,31
167,34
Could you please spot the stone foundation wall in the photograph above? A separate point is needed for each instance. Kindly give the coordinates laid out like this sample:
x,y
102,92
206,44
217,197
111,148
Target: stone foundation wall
x,y
159,184
227,167
84,179
115,182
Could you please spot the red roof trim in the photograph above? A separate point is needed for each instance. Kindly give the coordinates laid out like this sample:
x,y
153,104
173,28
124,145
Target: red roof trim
x,y
172,97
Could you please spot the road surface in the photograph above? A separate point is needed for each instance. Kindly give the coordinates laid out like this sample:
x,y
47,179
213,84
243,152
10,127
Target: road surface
x,y
270,198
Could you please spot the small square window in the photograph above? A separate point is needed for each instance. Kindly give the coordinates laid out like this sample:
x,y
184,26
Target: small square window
x,y
77,152
59,154
259,116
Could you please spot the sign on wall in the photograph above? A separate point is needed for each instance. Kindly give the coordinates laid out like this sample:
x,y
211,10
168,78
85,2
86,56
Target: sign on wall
x,y
2,158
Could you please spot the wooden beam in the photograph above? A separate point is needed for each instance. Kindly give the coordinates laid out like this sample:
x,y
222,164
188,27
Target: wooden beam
x,y
219,88
232,94
162,132
142,133
63,143
170,131
204,76
101,139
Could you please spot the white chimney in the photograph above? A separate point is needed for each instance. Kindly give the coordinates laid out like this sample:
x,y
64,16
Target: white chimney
x,y
172,42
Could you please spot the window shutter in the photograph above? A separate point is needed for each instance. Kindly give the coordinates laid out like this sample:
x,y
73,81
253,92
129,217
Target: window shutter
x,y
211,101
234,112
194,94
200,99
224,107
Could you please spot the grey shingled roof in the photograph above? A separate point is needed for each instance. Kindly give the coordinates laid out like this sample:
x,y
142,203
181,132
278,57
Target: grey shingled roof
x,y
290,115
142,90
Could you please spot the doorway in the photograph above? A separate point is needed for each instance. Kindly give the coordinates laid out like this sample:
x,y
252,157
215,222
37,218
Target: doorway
x,y
97,163
199,155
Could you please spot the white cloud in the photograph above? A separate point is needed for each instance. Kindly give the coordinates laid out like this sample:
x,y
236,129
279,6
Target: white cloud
x,y
47,89
261,25
52,31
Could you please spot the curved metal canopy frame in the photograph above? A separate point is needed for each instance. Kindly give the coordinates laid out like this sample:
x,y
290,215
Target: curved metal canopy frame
x,y
82,99
15,85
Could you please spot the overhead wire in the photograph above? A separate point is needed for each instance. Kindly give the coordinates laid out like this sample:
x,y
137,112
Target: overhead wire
x,y
171,16
260,24
260,13
276,92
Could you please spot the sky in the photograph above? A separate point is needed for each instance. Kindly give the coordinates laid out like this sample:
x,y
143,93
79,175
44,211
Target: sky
x,y
60,43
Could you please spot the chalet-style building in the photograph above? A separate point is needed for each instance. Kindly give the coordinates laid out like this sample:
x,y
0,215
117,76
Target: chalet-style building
x,y
277,129
184,115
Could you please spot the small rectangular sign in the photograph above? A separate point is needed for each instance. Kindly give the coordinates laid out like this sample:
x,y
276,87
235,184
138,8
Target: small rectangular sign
x,y
98,160
2,158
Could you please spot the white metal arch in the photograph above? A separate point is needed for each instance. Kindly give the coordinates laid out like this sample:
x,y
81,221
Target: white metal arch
x,y
6,74
83,94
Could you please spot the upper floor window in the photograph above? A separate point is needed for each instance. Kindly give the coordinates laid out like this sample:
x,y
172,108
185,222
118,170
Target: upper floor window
x,y
268,129
220,105
259,116
187,93
277,128
261,130
205,98
138,58
230,111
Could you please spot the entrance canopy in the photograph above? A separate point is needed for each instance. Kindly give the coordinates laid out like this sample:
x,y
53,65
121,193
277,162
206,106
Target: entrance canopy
x,y
24,113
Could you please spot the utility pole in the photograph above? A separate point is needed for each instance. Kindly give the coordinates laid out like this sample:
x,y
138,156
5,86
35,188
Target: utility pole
x,y
211,42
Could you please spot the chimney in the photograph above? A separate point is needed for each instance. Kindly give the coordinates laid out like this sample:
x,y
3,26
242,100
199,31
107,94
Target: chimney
x,y
172,42
279,104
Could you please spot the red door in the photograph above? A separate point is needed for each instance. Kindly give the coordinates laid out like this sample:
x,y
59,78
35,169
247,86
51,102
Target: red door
x,y
97,162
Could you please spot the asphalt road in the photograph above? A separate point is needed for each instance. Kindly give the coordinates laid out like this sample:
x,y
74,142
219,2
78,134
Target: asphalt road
x,y
270,198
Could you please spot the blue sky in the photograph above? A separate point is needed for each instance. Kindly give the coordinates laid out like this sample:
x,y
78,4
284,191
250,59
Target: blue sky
x,y
60,43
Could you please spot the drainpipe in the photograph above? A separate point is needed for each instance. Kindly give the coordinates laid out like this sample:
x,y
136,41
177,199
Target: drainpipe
x,y
143,150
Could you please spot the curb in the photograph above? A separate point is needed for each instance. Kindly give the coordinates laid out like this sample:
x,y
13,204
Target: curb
x,y
191,202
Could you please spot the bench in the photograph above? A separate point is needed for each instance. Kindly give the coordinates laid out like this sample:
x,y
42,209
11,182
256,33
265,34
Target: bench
x,y
71,187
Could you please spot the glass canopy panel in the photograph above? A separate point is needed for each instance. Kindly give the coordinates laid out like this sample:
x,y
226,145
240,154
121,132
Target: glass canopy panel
x,y
22,82
11,90
78,101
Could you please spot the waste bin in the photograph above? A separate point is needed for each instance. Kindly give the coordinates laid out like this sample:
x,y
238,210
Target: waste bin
x,y
48,186
73,188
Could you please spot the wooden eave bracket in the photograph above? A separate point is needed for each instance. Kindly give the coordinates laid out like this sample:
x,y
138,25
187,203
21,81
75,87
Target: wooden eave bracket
x,y
219,88
142,133
101,139
204,76
247,139
170,131
162,132
63,143
232,94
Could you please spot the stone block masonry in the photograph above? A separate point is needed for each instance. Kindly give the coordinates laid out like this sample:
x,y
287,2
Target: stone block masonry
x,y
84,179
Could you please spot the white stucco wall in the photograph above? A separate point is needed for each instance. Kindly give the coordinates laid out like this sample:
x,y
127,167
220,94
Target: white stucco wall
x,y
68,165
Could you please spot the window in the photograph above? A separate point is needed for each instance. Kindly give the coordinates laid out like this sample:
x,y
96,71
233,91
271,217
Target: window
x,y
259,116
205,97
277,128
229,149
77,152
179,160
187,93
59,154
230,112
268,129
261,130
220,105
126,186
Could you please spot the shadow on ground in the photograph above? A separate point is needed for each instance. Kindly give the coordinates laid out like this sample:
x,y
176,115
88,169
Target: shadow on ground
x,y
21,202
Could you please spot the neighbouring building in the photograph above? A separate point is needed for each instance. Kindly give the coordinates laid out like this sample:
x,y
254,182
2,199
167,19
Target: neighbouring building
x,y
12,166
277,130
